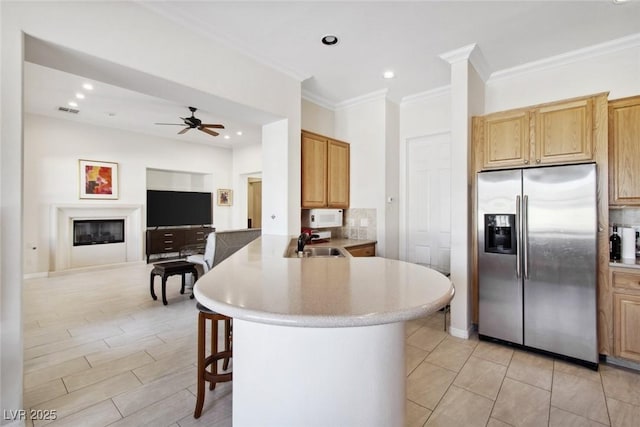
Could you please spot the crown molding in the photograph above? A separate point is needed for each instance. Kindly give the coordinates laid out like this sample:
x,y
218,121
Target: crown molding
x,y
372,96
471,53
426,95
318,100
457,55
594,51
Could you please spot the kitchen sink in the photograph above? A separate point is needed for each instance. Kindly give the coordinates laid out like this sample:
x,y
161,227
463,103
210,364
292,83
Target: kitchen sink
x,y
319,252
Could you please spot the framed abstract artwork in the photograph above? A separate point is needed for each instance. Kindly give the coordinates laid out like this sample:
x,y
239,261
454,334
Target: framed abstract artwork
x,y
98,180
225,197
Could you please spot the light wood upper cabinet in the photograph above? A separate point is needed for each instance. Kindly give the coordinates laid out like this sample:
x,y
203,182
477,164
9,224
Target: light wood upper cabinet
x,y
338,174
506,139
624,151
564,132
325,172
556,133
314,171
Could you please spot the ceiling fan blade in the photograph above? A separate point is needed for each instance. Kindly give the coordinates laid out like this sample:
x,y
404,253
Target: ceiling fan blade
x,y
184,130
216,126
171,124
210,132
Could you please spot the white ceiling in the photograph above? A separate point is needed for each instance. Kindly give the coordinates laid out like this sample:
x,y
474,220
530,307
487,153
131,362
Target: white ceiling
x,y
406,37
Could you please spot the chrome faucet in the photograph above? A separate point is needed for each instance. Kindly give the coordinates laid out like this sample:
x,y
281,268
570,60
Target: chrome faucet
x,y
303,239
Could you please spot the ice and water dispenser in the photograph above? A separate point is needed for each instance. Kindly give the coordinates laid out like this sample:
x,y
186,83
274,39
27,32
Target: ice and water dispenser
x,y
500,233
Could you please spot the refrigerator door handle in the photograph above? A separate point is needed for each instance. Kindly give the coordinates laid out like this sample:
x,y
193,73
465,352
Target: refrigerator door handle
x,y
518,238
525,235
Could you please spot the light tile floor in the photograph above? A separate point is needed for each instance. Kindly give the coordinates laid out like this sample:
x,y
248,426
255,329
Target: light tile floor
x,y
100,352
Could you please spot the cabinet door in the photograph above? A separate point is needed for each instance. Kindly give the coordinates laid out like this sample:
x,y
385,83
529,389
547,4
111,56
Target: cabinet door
x,y
624,151
338,174
506,139
626,315
564,132
314,171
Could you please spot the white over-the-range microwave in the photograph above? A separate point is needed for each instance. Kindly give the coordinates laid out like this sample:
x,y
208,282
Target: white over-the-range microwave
x,y
319,218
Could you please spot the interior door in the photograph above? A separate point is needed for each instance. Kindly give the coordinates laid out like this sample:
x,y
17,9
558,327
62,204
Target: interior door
x,y
429,201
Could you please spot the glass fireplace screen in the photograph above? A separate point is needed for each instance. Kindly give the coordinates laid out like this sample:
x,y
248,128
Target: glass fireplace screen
x,y
98,231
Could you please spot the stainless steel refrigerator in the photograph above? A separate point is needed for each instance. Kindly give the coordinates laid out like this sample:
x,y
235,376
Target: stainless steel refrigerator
x,y
537,258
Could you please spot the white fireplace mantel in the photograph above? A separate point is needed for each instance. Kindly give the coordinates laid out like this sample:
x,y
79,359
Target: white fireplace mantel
x,y
62,217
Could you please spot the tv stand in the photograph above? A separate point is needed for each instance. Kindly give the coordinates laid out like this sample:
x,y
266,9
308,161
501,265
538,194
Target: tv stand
x,y
173,239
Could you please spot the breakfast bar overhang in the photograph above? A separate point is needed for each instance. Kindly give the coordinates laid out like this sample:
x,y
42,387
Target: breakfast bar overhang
x,y
319,341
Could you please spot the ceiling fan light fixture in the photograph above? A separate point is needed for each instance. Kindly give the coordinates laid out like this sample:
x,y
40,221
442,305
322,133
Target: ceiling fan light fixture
x,y
329,40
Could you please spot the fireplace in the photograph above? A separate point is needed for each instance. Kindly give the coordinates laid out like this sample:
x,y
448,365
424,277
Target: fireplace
x,y
97,231
65,255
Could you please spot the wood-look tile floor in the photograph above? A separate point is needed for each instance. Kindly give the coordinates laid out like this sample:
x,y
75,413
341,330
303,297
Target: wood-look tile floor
x,y
99,351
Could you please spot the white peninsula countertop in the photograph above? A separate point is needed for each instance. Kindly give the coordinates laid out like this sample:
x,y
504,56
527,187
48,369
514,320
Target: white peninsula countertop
x,y
259,284
319,341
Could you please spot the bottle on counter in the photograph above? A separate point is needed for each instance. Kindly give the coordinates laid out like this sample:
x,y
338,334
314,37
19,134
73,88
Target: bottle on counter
x,y
615,245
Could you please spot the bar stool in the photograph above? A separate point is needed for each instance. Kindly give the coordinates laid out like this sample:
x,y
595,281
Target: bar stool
x,y
204,361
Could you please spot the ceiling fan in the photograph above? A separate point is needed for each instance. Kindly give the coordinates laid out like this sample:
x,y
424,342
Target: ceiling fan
x,y
195,123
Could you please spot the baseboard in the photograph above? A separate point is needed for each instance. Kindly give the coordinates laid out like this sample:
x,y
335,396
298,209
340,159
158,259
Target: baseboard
x,y
460,333
35,275
620,362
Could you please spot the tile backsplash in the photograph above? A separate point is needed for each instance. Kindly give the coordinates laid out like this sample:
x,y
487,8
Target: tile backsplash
x,y
359,223
625,217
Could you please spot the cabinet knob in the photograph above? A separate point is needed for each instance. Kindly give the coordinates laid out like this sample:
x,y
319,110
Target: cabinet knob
x,y
526,162
537,160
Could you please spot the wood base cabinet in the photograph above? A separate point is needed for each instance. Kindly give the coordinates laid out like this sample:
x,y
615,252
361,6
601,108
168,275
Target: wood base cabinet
x,y
626,313
368,249
173,240
325,172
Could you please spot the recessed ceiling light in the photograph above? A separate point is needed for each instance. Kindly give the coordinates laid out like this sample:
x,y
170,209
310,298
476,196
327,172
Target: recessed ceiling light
x,y
239,133
329,40
227,137
388,74
620,1
87,86
72,104
80,95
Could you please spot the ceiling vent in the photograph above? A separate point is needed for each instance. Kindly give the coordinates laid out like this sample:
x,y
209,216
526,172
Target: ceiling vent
x,y
68,110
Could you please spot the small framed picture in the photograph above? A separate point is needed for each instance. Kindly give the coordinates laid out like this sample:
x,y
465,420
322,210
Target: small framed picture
x,y
225,197
98,180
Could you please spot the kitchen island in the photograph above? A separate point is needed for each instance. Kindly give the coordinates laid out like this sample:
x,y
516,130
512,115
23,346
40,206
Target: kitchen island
x,y
319,341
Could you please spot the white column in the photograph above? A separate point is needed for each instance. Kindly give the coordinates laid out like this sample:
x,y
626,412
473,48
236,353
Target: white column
x,y
464,83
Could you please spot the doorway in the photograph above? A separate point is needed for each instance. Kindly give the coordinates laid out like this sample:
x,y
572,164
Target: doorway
x,y
429,201
254,203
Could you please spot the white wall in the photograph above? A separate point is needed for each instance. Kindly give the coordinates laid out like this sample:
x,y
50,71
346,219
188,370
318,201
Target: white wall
x,y
52,148
392,178
616,72
317,119
362,125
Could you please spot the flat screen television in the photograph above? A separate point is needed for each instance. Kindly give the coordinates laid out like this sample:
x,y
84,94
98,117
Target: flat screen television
x,y
173,208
